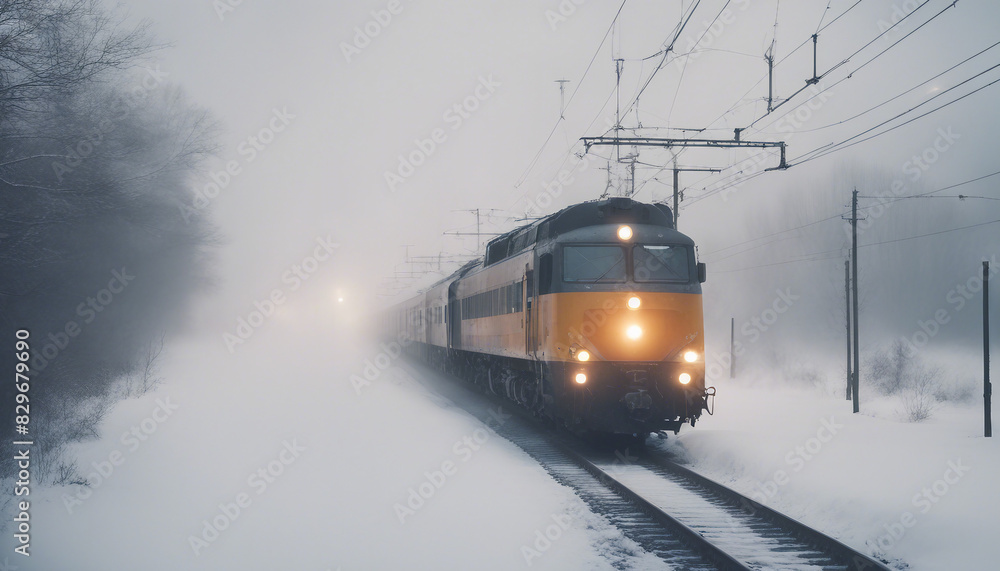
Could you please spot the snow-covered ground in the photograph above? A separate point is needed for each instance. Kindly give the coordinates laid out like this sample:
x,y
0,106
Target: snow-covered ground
x,y
272,458
338,468
922,494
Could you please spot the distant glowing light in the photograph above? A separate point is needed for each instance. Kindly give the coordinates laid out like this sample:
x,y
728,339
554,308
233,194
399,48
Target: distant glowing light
x,y
625,232
634,332
684,378
634,302
340,300
581,378
583,356
690,356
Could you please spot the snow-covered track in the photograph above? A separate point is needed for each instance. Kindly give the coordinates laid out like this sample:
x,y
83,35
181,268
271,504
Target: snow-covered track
x,y
728,530
850,558
638,520
687,520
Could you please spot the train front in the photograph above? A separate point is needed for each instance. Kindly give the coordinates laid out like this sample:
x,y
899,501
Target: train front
x,y
624,329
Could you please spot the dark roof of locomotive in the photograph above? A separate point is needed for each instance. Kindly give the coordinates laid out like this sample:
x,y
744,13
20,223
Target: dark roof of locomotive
x,y
616,210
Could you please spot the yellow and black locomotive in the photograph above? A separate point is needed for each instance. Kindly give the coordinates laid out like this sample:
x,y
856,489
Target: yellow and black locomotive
x,y
590,317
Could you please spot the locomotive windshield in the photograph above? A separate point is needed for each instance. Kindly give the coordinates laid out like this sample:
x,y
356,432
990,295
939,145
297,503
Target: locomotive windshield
x,y
593,264
660,263
647,263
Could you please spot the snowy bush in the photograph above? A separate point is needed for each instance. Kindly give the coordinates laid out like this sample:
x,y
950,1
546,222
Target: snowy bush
x,y
894,371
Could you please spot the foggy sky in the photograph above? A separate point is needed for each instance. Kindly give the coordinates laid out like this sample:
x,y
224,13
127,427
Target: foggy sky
x,y
324,175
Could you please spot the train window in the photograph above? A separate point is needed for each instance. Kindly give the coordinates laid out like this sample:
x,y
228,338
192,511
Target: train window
x,y
660,263
593,264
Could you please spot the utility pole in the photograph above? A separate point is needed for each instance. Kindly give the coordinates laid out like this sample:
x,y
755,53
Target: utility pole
x,y
479,228
732,347
677,193
677,186
847,298
562,97
987,388
769,58
618,107
854,275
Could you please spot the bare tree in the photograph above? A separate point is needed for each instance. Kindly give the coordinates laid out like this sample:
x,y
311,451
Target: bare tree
x,y
97,152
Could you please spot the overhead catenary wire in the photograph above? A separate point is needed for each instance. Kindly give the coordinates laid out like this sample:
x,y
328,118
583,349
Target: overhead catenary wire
x,y
841,146
860,67
838,215
910,90
848,58
832,147
778,117
742,99
680,79
809,257
572,96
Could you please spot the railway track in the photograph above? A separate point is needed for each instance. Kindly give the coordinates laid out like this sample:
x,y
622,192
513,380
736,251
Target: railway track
x,y
687,520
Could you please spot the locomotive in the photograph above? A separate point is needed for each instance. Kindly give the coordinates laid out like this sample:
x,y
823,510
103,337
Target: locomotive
x,y
590,318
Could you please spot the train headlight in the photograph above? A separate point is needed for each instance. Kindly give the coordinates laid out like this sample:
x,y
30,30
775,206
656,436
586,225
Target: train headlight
x,y
634,302
690,356
581,378
634,332
624,232
684,378
583,355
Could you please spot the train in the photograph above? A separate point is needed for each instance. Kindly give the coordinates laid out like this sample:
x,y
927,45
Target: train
x,y
590,318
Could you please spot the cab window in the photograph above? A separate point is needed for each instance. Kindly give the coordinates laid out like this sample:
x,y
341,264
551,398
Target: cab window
x,y
660,263
594,264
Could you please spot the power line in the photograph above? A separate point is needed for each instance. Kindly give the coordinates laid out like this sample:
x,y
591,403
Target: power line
x,y
813,223
841,146
741,99
809,257
832,147
859,68
579,84
901,94
686,60
848,58
930,234
876,56
666,53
